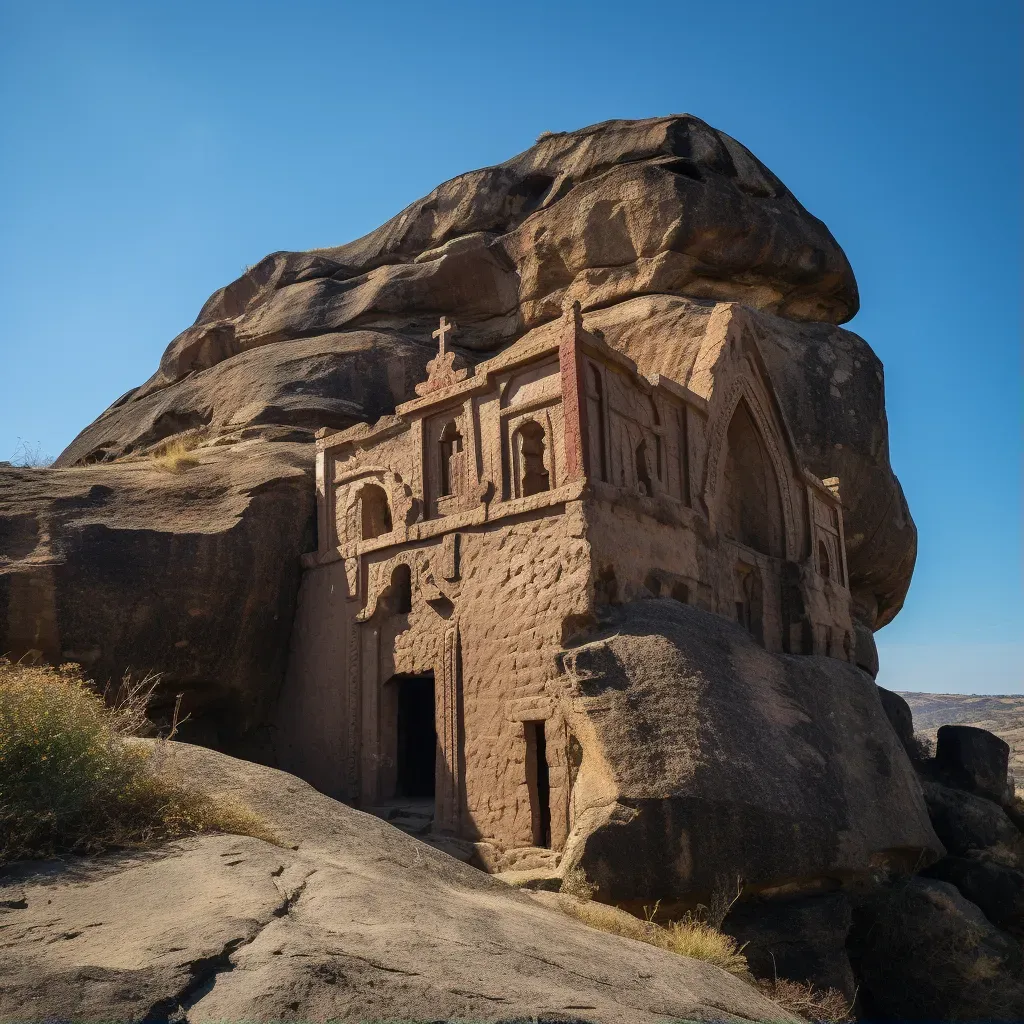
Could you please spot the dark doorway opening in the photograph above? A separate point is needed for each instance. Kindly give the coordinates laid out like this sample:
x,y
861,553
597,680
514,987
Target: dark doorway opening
x,y
538,782
417,737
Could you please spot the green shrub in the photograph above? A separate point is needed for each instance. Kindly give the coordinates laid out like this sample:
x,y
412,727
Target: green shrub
x,y
69,781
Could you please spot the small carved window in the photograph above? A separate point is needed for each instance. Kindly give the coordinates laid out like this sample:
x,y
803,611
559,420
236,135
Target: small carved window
x,y
374,513
529,444
824,563
401,590
451,445
643,475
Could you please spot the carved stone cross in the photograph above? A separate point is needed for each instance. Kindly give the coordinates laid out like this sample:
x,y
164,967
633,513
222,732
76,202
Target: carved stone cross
x,y
441,331
446,368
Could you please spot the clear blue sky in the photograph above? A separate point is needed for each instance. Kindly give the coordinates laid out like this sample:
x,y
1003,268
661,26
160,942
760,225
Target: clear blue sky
x,y
149,151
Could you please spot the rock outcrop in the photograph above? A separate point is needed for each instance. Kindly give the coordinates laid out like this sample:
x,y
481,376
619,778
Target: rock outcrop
x,y
946,944
347,919
662,229
707,760
924,953
190,574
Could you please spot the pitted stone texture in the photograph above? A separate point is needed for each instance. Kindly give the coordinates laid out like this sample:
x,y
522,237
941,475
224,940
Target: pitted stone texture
x,y
705,758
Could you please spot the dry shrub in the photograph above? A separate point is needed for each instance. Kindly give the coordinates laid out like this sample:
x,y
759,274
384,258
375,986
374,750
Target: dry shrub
x,y
574,883
70,783
174,456
689,937
827,1006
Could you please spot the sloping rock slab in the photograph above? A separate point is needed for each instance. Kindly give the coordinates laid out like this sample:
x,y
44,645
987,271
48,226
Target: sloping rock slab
x,y
706,760
356,922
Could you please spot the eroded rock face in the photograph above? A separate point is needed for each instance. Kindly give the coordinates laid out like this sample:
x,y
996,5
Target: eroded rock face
x,y
706,760
923,952
624,208
191,574
662,229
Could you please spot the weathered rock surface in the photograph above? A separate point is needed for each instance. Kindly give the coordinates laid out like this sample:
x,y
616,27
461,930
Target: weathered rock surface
x,y
602,214
663,229
973,759
965,822
349,920
900,717
707,759
802,939
191,574
923,952
996,888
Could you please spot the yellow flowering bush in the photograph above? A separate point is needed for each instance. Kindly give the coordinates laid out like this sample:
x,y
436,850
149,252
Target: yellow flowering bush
x,y
69,781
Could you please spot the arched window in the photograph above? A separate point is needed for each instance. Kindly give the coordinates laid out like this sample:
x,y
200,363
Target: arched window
x,y
824,564
751,507
643,476
401,590
374,513
529,447
451,445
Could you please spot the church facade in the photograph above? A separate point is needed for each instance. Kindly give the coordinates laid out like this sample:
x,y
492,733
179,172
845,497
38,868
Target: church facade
x,y
467,540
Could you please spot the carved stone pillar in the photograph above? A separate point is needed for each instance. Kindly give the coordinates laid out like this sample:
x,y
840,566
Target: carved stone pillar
x,y
449,735
574,402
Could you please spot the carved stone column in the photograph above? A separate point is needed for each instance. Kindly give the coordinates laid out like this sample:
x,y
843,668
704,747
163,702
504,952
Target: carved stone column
x,y
449,735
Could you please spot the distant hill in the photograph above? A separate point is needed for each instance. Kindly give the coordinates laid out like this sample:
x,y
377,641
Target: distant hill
x,y
1003,715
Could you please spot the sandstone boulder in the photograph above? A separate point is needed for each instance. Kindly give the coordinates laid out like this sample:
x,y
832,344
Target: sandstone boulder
x,y
348,919
602,214
663,229
973,759
965,822
996,888
705,759
924,953
192,574
897,710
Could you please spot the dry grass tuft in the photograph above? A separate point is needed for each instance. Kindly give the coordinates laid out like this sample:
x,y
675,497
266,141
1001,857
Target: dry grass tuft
x,y
174,456
828,1006
688,937
71,784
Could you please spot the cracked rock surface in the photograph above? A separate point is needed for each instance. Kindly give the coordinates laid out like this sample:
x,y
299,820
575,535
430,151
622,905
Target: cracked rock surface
x,y
353,920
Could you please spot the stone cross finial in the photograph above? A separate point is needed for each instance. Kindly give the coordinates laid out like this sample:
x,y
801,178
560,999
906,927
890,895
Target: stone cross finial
x,y
443,328
446,367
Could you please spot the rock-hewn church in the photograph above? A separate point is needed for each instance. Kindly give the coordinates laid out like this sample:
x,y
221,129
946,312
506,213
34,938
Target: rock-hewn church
x,y
465,541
